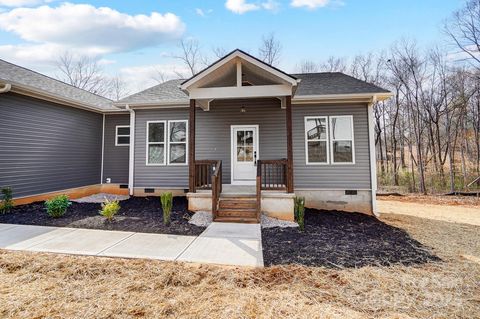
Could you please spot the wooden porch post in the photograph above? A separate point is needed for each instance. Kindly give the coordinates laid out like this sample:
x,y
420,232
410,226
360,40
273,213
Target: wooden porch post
x,y
289,144
191,148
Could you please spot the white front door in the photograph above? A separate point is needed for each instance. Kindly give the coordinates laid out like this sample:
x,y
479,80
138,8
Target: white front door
x,y
244,154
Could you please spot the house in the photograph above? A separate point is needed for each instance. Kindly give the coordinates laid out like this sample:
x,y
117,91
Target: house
x,y
238,138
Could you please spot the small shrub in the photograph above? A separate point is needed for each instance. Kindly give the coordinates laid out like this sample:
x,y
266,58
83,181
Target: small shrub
x,y
109,209
167,202
57,206
7,203
300,212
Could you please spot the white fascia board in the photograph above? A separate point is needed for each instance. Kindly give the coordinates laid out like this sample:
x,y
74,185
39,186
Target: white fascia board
x,y
241,92
326,97
233,55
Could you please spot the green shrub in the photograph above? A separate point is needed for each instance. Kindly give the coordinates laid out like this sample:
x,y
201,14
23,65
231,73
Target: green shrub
x,y
300,212
57,206
6,204
109,209
167,202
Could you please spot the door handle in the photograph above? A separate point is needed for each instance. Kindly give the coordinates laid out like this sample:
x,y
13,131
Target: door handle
x,y
255,158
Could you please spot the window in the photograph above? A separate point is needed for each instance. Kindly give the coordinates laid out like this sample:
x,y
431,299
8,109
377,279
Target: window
x,y
177,142
316,137
341,132
122,135
156,143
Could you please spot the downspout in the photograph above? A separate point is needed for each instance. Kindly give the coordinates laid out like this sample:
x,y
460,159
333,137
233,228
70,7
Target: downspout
x,y
131,150
103,147
4,88
373,158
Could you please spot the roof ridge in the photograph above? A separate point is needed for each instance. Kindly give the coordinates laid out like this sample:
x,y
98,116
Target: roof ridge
x,y
57,80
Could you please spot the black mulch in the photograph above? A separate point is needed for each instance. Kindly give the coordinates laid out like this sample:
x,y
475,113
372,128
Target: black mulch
x,y
137,214
338,239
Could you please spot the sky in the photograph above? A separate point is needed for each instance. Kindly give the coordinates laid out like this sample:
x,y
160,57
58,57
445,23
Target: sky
x,y
134,39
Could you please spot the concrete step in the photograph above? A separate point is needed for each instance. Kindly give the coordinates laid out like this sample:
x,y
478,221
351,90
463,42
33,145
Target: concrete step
x,y
236,220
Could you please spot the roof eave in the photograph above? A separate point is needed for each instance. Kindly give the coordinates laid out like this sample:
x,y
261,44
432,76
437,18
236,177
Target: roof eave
x,y
340,98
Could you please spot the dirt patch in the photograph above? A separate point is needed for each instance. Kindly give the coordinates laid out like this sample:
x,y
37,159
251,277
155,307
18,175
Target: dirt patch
x,y
450,200
450,213
137,214
337,239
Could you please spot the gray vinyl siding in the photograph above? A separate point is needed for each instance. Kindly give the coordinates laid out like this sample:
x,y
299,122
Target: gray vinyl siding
x,y
213,132
157,176
213,141
47,147
350,176
115,158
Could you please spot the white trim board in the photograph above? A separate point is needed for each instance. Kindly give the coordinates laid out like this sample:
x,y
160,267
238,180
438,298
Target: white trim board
x,y
120,135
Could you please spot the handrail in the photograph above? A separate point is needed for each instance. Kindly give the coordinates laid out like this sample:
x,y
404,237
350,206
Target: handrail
x,y
271,175
216,187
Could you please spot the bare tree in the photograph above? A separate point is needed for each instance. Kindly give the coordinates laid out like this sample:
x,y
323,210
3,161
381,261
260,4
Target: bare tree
x,y
333,64
464,29
190,55
83,72
270,50
117,88
219,52
307,66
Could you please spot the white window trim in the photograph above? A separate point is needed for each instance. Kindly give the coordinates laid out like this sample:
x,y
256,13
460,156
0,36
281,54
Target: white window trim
x,y
353,139
121,135
147,143
169,143
327,123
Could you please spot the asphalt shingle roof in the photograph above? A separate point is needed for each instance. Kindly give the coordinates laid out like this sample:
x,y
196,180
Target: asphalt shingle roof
x,y
164,92
19,75
324,83
333,83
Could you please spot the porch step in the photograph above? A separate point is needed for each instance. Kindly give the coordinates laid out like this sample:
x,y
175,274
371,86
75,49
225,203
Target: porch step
x,y
236,220
237,210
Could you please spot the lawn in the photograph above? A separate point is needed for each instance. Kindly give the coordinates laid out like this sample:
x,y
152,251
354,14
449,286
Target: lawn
x,y
55,286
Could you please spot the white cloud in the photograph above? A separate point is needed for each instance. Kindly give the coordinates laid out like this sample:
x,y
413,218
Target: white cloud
x,y
240,6
22,3
202,12
310,4
89,29
142,77
271,5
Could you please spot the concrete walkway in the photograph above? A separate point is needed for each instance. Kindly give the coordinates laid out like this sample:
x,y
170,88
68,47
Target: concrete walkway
x,y
220,243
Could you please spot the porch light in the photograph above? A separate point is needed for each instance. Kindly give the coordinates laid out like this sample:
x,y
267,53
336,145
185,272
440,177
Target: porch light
x,y
242,109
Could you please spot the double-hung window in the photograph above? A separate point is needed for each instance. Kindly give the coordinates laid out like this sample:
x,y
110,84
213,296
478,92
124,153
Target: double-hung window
x,y
177,142
122,135
316,139
341,132
156,147
167,142
329,140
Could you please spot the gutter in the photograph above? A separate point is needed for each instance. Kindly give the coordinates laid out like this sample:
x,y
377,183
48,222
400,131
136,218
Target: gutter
x,y
6,88
131,157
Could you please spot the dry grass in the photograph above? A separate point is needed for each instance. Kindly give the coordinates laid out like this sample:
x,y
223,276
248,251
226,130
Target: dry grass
x,y
37,285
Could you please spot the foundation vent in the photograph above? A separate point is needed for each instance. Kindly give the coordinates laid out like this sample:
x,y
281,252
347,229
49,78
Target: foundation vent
x,y
350,192
149,190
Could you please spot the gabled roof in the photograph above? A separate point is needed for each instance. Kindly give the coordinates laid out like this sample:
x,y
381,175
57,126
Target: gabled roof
x,y
237,53
29,80
164,93
332,83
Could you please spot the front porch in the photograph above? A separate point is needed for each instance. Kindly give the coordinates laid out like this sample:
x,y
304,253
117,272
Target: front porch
x,y
247,105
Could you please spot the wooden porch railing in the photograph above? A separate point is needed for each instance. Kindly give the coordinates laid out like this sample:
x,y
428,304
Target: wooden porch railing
x,y
216,187
271,175
208,175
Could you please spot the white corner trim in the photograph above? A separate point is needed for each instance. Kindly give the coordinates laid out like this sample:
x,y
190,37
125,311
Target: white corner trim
x,y
373,164
103,148
131,160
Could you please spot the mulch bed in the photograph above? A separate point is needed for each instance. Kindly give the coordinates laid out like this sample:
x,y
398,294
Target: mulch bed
x,y
137,214
338,239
